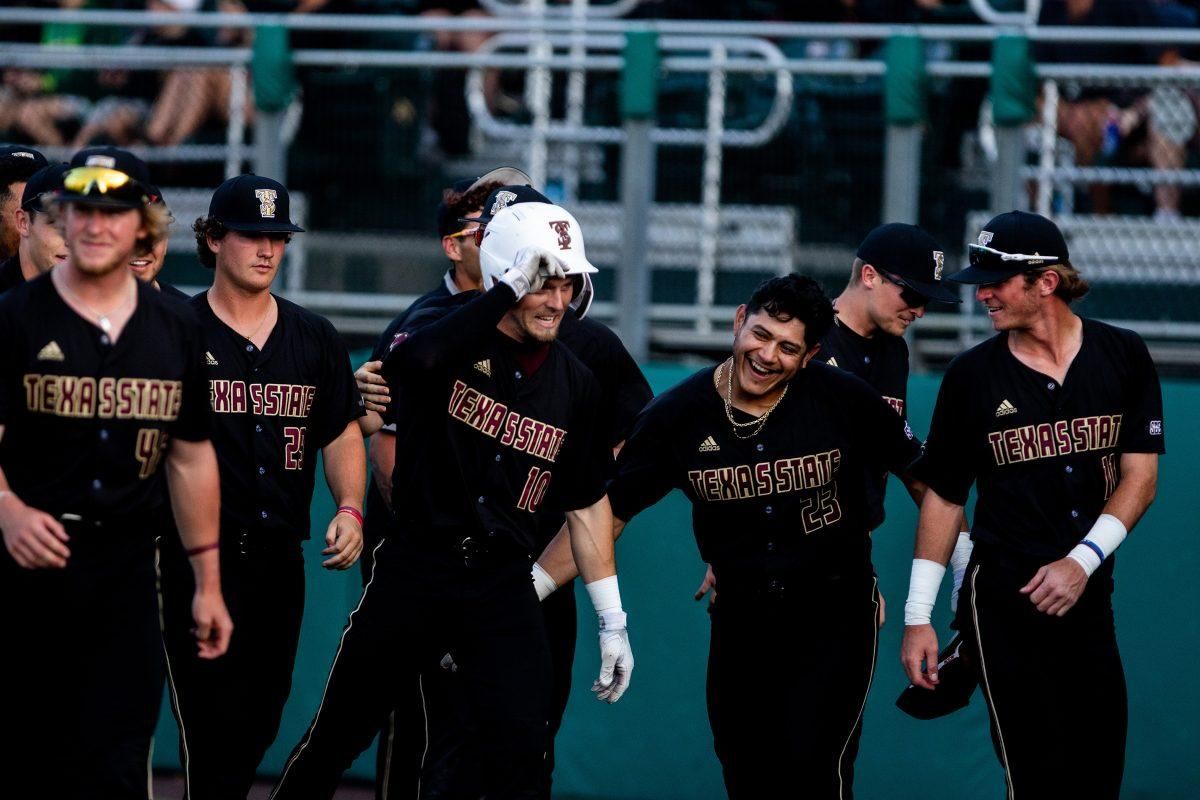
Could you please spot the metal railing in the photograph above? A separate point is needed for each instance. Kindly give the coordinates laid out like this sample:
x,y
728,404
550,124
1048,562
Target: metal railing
x,y
580,40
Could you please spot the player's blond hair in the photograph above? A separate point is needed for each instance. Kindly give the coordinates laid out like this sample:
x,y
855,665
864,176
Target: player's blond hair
x,y
1071,285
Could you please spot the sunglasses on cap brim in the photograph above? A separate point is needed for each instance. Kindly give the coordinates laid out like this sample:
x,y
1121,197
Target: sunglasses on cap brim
x,y
103,181
910,296
984,256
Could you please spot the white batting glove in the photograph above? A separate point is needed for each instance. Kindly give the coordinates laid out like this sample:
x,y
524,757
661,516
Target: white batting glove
x,y
616,656
531,267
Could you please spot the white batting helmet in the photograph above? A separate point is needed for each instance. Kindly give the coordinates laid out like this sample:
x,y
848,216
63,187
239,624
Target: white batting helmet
x,y
550,227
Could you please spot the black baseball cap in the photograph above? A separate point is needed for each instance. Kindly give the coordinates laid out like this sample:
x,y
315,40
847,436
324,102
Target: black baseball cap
x,y
957,679
1013,243
18,162
910,254
47,180
106,176
447,219
507,196
253,204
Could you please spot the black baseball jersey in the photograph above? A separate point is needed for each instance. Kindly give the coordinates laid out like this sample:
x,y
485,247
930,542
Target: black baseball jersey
x,y
10,273
170,291
488,435
790,500
881,361
87,421
273,409
1045,456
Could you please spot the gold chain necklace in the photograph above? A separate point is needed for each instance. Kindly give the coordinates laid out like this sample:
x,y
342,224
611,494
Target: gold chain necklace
x,y
757,423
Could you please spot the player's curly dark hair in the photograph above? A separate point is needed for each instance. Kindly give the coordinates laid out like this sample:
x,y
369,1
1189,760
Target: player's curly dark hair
x,y
206,228
791,297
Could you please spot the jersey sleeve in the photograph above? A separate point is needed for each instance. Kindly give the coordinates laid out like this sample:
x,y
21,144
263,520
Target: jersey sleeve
x,y
645,469
884,435
1142,426
443,342
945,463
586,458
339,401
194,423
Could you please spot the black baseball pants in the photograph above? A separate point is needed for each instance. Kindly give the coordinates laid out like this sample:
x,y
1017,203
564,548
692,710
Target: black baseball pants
x,y
788,676
1054,686
422,600
429,748
82,668
228,709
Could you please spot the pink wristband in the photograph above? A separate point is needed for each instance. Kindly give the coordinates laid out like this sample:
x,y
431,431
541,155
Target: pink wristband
x,y
204,548
352,511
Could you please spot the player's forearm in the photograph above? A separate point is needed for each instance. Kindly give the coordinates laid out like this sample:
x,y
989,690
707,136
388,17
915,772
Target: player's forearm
x,y
557,559
1136,489
592,541
937,528
195,489
370,423
916,488
345,460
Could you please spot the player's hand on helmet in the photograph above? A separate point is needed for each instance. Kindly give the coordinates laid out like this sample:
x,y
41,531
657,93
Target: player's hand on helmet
x,y
616,658
920,646
1056,587
709,584
213,625
372,386
344,538
531,267
33,538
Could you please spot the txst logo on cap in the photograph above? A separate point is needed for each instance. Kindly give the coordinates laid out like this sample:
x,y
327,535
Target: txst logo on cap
x,y
24,154
503,198
266,202
101,161
939,263
985,238
563,228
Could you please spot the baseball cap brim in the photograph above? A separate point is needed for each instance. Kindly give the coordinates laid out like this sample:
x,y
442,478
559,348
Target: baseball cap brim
x,y
957,680
935,291
263,227
106,200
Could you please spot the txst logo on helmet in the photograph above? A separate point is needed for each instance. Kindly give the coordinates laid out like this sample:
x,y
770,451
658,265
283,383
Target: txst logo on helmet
x,y
563,228
266,202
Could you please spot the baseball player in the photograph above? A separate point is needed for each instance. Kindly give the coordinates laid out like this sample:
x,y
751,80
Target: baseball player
x,y
17,164
149,257
1057,421
442,754
496,420
41,244
777,456
102,399
282,390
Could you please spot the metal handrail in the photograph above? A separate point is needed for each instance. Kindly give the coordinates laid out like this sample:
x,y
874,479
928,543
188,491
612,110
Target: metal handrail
x,y
609,10
418,24
773,61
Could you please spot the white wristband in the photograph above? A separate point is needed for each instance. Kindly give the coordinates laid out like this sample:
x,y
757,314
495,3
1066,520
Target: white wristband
x,y
605,594
1105,537
961,557
923,588
543,584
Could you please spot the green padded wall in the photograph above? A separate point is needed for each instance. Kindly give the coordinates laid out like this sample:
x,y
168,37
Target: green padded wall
x,y
655,744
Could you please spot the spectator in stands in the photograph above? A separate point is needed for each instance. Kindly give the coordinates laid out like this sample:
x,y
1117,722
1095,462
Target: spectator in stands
x,y
168,109
1148,127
